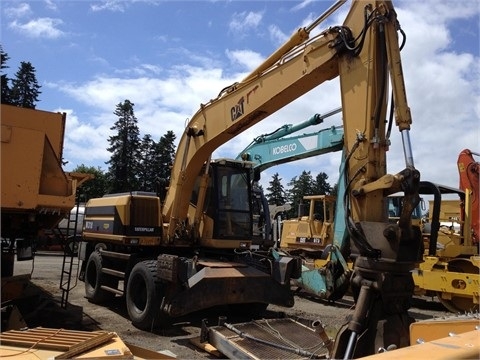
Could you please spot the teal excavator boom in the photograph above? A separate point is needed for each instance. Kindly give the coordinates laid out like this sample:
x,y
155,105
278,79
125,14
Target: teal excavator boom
x,y
330,279
275,148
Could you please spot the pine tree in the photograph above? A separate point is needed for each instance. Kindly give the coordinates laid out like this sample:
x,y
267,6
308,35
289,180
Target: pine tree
x,y
25,88
321,186
276,193
164,160
147,171
124,146
298,188
6,96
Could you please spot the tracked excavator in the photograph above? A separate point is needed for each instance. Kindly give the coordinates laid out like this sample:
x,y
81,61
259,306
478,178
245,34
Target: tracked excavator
x,y
198,255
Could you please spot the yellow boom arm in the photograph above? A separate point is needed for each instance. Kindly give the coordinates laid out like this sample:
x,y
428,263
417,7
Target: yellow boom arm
x,y
297,67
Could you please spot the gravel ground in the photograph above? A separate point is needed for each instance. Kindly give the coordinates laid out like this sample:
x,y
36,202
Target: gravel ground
x,y
46,271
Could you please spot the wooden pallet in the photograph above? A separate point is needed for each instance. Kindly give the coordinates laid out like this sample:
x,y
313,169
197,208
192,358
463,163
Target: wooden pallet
x,y
69,343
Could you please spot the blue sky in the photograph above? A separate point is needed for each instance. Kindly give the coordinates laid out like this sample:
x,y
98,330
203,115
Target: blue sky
x,y
168,57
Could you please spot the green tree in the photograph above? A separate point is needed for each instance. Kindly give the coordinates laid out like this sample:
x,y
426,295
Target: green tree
x,y
5,97
321,186
334,191
25,88
166,155
298,188
124,146
93,188
276,192
164,162
147,169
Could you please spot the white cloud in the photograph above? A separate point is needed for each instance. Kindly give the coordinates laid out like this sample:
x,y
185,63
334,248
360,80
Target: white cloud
x,y
248,59
118,5
110,5
51,5
141,70
302,5
39,28
84,143
442,88
244,21
160,105
277,35
21,10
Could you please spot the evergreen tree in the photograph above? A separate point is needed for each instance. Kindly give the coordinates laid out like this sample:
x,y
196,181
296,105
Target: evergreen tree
x,y
334,191
96,187
165,156
25,88
124,146
147,171
5,97
276,193
162,166
298,188
321,186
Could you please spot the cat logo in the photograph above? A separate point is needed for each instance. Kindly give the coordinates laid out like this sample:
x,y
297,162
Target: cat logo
x,y
237,110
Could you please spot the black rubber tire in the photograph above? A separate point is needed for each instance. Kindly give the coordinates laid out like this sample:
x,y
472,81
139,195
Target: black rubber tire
x,y
144,296
94,279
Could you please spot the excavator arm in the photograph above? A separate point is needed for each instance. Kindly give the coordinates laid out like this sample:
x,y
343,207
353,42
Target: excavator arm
x,y
277,148
469,172
239,107
291,72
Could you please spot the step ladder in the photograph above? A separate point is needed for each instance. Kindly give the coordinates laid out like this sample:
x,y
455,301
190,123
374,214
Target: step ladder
x,y
70,265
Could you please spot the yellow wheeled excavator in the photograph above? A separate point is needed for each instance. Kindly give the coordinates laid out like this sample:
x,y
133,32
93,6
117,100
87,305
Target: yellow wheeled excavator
x,y
190,249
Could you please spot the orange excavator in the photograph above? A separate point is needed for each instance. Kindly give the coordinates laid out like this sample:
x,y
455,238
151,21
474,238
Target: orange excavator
x,y
469,170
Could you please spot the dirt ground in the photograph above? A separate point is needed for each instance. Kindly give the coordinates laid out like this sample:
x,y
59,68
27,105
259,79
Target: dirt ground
x,y
79,314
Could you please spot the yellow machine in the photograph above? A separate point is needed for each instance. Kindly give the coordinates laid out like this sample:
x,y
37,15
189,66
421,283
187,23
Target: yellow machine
x,y
451,267
313,232
36,192
202,255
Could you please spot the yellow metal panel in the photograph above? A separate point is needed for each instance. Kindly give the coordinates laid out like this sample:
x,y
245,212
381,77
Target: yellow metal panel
x,y
52,124
21,168
461,346
429,330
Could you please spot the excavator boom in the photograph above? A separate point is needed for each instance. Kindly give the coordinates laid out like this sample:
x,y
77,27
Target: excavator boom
x,y
295,72
469,171
276,148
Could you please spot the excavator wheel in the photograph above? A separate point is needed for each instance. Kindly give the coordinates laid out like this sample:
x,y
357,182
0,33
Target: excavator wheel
x,y
460,304
144,295
95,278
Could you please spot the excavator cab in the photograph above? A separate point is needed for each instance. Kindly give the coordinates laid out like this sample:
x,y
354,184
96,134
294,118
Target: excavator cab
x,y
227,220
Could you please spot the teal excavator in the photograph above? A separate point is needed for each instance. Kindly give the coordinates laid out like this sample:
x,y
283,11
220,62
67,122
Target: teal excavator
x,y
325,272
